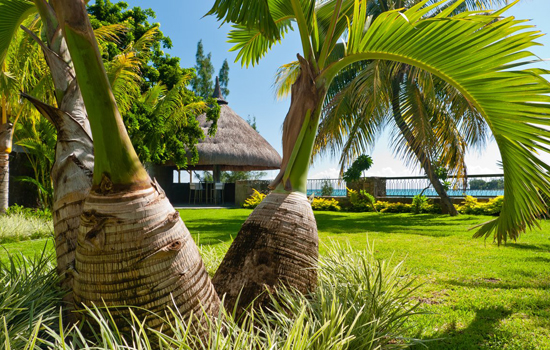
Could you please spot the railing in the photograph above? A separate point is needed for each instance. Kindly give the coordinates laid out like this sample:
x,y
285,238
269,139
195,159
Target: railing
x,y
326,187
491,185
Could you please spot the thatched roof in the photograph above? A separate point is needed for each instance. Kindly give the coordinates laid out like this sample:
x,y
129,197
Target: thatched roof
x,y
236,146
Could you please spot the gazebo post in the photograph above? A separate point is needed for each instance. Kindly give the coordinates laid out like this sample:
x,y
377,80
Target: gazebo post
x,y
217,174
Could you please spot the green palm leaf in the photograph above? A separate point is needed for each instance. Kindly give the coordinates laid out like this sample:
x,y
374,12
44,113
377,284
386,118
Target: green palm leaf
x,y
249,13
252,45
14,12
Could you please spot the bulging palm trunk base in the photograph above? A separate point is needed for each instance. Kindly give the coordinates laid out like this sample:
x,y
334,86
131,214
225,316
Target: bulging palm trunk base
x,y
277,245
134,250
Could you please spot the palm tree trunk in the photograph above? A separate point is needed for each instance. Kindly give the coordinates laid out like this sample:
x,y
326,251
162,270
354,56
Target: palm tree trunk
x,y
447,206
4,181
133,248
5,150
74,160
278,243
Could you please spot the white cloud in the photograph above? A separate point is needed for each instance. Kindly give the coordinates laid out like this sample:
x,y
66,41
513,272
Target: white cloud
x,y
330,173
384,172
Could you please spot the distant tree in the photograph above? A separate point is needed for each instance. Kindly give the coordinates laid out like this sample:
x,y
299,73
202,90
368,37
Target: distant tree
x,y
160,115
252,122
233,176
203,83
224,78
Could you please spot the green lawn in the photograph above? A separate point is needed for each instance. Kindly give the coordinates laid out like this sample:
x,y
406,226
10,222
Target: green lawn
x,y
477,295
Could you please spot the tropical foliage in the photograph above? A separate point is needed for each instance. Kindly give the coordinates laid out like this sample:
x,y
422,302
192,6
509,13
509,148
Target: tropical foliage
x,y
418,203
361,303
25,70
159,67
163,124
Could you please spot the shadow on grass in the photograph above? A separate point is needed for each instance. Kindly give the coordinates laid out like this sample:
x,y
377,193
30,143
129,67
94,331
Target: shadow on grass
x,y
525,246
213,231
421,224
478,333
490,283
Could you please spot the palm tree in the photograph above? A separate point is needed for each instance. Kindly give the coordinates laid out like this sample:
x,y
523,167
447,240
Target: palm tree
x,y
21,69
474,53
430,128
407,101
72,171
133,248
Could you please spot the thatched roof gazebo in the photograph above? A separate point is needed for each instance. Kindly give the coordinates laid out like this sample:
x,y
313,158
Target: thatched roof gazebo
x,y
236,145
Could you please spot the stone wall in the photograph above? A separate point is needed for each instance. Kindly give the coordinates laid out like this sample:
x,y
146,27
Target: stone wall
x,y
376,186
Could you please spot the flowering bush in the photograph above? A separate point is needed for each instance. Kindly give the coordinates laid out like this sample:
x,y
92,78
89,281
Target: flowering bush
x,y
253,201
386,207
324,204
473,207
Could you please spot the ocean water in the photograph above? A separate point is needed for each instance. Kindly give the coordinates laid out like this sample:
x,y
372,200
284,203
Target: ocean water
x,y
413,192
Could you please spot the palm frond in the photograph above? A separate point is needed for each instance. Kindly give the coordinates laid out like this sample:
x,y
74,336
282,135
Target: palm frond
x,y
252,14
251,44
284,78
124,76
111,33
14,12
144,43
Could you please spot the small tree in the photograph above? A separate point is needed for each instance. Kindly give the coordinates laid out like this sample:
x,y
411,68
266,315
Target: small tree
x,y
360,165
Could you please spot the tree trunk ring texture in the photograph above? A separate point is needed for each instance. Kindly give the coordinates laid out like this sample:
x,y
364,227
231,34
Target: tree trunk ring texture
x,y
4,181
277,245
134,248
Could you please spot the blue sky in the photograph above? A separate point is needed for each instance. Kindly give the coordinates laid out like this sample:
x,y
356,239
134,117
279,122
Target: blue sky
x,y
252,91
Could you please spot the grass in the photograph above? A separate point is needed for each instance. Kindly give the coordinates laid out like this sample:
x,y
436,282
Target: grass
x,y
477,295
20,227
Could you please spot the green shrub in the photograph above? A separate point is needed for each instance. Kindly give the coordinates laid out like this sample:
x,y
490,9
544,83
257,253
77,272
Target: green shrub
x,y
254,200
325,204
419,202
361,201
327,188
15,209
472,207
386,207
20,224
